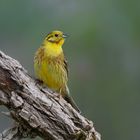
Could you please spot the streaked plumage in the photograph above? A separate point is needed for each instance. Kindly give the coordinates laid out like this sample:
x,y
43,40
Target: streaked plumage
x,y
51,67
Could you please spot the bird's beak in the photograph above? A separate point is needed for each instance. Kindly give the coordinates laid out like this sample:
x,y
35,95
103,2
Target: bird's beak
x,y
64,35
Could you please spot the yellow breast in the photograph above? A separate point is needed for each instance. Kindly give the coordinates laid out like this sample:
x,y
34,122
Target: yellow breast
x,y
49,67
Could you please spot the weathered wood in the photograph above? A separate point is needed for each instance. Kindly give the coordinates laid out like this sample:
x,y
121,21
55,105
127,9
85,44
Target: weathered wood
x,y
10,134
38,111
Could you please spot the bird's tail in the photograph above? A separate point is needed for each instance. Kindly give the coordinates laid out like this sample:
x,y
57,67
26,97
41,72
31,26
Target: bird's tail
x,y
69,99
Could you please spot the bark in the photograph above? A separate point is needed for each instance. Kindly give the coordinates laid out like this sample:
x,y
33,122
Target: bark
x,y
38,111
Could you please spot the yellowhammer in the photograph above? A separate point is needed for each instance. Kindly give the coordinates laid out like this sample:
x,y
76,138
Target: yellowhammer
x,y
51,67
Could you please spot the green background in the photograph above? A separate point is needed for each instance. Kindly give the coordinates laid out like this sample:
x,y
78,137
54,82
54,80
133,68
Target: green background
x,y
103,50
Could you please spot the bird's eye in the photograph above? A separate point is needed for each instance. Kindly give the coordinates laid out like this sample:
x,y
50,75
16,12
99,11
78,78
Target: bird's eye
x,y
56,35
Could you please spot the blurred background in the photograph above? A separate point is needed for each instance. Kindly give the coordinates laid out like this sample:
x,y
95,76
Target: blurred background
x,y
103,50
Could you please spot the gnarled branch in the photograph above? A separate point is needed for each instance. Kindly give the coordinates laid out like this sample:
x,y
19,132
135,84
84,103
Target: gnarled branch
x,y
38,111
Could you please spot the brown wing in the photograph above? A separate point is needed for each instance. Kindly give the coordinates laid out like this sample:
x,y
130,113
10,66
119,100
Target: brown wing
x,y
66,66
39,55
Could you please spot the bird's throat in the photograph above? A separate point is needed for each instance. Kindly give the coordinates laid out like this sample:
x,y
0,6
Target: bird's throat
x,y
53,49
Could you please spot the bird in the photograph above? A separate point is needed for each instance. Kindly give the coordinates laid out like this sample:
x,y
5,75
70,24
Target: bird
x,y
51,66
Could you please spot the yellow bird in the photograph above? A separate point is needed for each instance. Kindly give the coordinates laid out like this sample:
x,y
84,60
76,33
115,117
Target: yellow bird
x,y
51,67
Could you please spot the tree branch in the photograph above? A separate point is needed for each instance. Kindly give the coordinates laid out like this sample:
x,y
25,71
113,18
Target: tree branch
x,y
11,134
38,111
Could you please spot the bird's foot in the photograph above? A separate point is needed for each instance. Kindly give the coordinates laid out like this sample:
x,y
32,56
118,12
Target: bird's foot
x,y
38,82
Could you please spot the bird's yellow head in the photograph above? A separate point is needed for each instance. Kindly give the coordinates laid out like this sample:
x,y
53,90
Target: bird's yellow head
x,y
53,43
57,37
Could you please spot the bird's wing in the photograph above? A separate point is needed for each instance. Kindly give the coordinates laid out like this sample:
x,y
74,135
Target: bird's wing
x,y
66,66
39,54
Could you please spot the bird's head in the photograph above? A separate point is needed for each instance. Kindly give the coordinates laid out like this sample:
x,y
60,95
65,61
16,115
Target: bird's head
x,y
57,37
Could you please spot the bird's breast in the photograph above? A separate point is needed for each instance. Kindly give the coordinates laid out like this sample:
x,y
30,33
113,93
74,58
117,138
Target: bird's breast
x,y
52,72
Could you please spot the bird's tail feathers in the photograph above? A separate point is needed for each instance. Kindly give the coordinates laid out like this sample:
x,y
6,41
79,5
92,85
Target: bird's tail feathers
x,y
69,99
